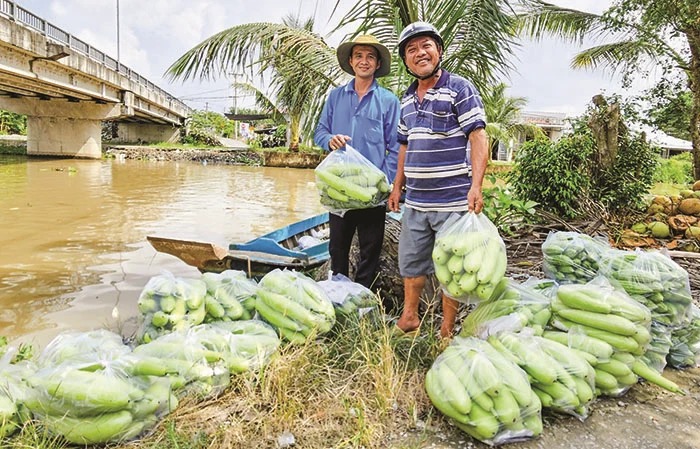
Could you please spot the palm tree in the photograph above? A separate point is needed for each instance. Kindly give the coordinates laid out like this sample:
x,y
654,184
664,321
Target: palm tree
x,y
503,117
646,33
479,35
296,64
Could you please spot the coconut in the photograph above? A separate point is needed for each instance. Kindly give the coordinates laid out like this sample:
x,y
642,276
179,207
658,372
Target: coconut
x,y
661,199
696,186
659,216
675,202
679,223
690,206
693,232
659,230
639,228
655,208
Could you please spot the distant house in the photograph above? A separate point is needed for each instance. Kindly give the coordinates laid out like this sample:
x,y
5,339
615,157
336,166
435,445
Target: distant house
x,y
670,146
553,124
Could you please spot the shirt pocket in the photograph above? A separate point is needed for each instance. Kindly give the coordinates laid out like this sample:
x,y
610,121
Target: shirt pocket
x,y
443,120
372,130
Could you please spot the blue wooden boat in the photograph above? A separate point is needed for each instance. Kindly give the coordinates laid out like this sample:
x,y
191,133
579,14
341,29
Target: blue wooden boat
x,y
300,246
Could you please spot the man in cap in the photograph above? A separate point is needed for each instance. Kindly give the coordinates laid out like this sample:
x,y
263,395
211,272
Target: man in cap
x,y
442,160
366,115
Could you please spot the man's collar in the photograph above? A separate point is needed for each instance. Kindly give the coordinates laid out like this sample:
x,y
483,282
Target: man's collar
x,y
350,87
441,82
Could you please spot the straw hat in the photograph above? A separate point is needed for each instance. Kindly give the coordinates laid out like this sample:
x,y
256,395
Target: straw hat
x,y
345,50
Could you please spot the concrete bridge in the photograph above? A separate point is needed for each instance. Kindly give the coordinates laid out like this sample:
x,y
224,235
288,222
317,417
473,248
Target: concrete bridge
x,y
66,88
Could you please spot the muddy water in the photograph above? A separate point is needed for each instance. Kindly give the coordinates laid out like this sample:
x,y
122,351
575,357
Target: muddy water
x,y
73,249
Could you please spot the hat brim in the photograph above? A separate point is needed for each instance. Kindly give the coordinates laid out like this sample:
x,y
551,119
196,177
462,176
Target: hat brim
x,y
344,52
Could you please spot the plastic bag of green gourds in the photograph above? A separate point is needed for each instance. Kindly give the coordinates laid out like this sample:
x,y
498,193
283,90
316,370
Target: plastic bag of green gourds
x,y
571,257
347,180
483,392
469,257
349,298
511,307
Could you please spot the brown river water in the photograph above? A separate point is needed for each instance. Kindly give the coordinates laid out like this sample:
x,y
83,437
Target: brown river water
x,y
73,249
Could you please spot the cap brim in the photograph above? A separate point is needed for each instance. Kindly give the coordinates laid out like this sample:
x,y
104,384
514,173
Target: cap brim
x,y
345,49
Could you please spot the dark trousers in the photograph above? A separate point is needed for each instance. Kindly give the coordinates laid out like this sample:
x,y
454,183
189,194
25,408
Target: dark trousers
x,y
369,224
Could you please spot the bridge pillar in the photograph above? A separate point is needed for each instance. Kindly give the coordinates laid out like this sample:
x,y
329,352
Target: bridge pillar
x,y
128,132
60,136
60,128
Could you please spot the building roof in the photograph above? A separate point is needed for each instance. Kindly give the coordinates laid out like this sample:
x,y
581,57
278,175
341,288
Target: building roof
x,y
663,140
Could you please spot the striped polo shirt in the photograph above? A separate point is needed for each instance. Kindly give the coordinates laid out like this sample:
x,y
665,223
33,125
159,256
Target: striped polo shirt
x,y
436,132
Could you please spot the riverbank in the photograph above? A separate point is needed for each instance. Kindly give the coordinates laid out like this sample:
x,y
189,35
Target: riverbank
x,y
229,156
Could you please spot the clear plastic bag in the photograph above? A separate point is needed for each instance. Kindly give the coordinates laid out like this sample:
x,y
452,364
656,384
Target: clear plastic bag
x,y
512,307
562,379
168,303
469,257
185,359
685,343
91,406
654,280
571,257
228,288
604,314
347,180
484,393
295,305
14,391
349,298
244,345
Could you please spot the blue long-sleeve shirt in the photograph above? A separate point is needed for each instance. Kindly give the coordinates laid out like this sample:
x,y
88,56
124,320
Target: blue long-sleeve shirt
x,y
371,123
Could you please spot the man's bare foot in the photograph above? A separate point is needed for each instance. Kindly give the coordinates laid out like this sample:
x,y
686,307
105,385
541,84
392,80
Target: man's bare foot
x,y
408,324
446,332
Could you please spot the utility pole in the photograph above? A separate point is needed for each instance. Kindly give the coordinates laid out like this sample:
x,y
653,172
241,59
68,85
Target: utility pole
x,y
235,104
118,56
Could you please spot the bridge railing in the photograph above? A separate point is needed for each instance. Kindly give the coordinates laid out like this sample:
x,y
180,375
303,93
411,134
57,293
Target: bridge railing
x,y
20,15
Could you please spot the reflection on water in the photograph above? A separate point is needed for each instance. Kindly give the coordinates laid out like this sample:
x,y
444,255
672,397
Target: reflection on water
x,y
73,250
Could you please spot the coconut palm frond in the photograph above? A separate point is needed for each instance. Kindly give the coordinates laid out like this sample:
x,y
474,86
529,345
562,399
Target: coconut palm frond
x,y
239,48
481,44
262,100
478,34
616,56
537,19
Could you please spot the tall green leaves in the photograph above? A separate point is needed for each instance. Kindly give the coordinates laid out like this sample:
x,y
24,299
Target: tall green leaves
x,y
479,35
640,34
296,64
503,116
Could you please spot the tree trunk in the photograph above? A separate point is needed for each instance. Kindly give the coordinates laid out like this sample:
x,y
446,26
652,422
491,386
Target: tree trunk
x,y
606,127
294,133
694,84
389,283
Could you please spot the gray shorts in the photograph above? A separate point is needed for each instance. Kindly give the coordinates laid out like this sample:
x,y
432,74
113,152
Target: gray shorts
x,y
417,239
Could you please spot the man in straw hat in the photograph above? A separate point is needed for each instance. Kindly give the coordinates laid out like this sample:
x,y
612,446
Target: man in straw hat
x,y
365,115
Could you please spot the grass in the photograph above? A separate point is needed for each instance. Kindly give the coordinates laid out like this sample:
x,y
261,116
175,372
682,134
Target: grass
x,y
665,188
359,386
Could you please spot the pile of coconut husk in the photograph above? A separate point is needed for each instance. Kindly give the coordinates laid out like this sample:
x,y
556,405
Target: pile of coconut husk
x,y
672,220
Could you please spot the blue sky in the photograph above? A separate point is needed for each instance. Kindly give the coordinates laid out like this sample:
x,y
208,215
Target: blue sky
x,y
154,33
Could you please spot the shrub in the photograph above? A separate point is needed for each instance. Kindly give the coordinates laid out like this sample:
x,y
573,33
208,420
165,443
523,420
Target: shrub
x,y
674,170
624,185
554,175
